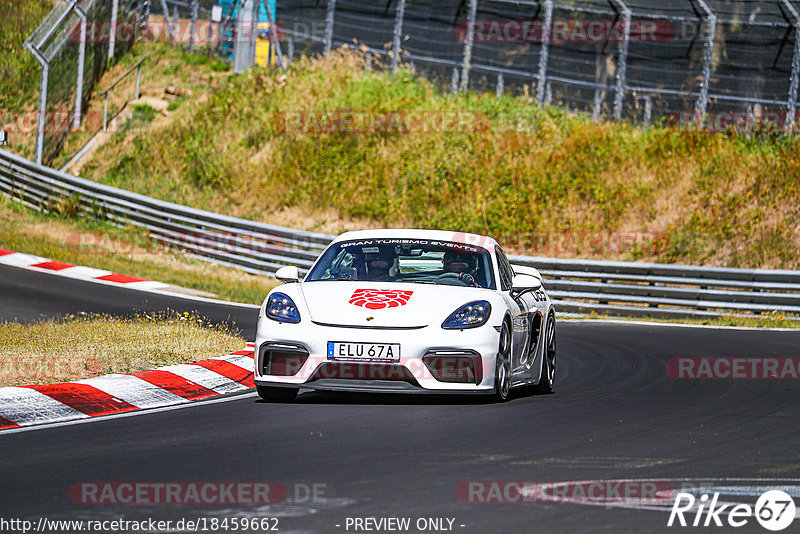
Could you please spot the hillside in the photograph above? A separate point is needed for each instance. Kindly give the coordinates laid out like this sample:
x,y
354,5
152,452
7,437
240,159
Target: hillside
x,y
330,146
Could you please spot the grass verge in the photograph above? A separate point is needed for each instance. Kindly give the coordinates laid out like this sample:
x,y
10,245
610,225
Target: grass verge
x,y
127,251
77,347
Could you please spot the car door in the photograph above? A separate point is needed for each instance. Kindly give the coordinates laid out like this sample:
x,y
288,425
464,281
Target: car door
x,y
520,310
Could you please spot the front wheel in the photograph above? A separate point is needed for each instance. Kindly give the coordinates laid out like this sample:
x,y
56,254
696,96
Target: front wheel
x,y
502,368
273,394
547,380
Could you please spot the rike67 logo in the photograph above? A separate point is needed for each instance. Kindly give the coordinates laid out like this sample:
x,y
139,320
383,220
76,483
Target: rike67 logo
x,y
379,299
774,510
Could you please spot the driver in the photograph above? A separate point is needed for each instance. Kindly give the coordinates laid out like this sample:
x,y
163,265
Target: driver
x,y
461,264
379,265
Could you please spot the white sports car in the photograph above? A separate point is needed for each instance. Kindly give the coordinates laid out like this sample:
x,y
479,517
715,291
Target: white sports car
x,y
423,311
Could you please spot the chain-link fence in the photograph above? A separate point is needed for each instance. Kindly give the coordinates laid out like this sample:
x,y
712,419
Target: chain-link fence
x,y
74,45
714,63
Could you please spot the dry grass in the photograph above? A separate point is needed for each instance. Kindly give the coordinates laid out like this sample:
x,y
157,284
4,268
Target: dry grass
x,y
85,346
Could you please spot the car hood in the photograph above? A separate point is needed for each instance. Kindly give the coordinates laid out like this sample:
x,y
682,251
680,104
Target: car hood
x,y
370,304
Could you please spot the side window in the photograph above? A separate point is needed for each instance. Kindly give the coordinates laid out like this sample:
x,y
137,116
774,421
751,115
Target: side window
x,y
506,274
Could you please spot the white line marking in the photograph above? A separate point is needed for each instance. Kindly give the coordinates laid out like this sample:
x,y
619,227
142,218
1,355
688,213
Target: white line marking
x,y
126,414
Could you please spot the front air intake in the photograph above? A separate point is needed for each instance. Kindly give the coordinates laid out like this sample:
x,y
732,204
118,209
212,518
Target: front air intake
x,y
282,359
458,367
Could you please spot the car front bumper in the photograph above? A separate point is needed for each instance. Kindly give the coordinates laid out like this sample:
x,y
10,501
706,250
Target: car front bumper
x,y
410,374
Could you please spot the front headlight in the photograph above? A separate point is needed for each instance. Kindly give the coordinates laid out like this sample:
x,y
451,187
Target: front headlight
x,y
469,315
282,308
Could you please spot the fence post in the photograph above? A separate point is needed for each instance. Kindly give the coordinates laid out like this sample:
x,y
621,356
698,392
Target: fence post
x,y
144,17
791,105
541,78
166,19
498,90
41,116
708,56
329,26
112,38
195,8
273,35
398,33
648,111
105,113
138,80
598,104
244,45
175,20
81,62
622,59
467,64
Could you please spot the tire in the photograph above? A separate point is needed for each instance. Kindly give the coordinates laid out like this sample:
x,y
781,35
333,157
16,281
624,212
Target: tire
x,y
273,394
502,369
547,379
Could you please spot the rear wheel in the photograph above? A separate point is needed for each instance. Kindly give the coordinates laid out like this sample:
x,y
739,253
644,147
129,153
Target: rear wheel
x,y
547,380
273,394
502,369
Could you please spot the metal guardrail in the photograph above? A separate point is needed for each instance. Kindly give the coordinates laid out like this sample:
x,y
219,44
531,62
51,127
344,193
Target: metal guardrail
x,y
614,288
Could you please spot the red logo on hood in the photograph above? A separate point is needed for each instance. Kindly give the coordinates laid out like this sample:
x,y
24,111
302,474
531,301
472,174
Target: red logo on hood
x,y
378,299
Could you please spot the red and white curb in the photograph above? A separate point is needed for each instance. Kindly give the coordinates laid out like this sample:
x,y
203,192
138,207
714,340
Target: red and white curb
x,y
36,263
22,406
101,276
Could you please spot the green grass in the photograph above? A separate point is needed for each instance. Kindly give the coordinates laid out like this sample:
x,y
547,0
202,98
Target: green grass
x,y
518,172
142,115
19,71
60,237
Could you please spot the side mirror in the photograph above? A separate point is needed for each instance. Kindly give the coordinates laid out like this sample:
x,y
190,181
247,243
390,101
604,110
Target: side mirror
x,y
522,283
288,274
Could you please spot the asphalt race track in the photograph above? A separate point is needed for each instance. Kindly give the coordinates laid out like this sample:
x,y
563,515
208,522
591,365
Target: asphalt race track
x,y
26,296
616,414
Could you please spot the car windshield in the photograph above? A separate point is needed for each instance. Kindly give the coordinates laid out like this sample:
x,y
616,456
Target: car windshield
x,y
406,260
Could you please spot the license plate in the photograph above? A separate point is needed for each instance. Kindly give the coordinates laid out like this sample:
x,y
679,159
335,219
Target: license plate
x,y
363,352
